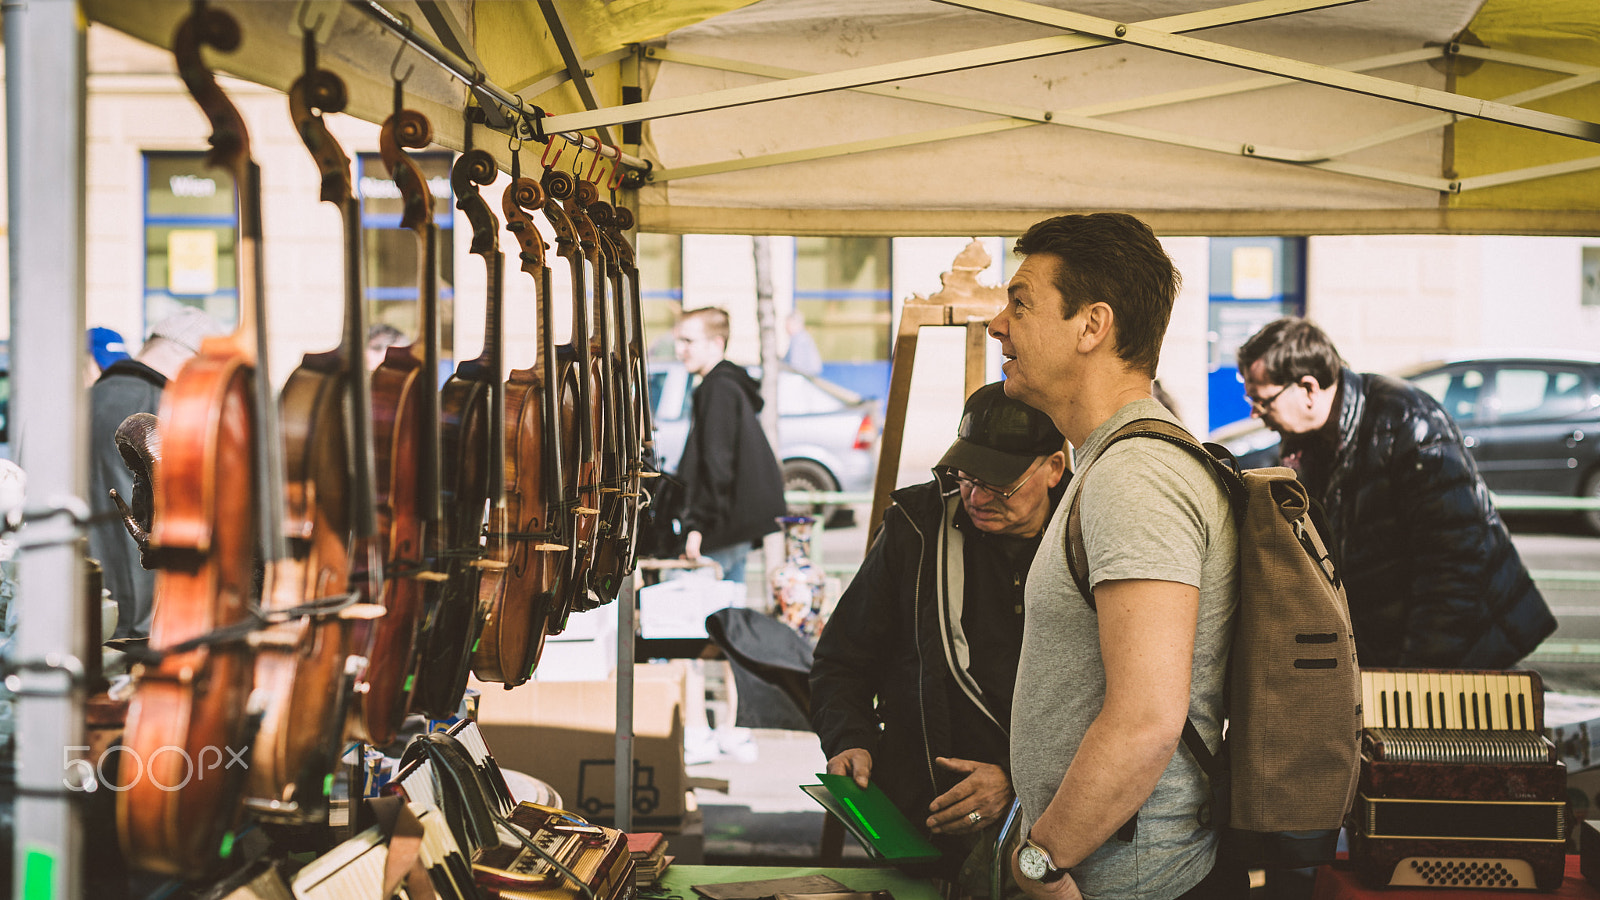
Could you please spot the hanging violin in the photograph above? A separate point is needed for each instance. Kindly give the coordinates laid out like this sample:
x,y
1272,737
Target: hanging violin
x,y
218,466
520,605
611,540
469,458
307,661
580,411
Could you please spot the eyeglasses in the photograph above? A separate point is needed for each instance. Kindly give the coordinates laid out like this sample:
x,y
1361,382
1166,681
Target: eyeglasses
x,y
1261,406
972,484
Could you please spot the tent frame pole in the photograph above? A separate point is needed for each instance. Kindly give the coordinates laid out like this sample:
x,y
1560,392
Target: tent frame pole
x,y
917,68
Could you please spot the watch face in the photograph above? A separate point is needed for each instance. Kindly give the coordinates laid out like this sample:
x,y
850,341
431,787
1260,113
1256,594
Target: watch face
x,y
1033,862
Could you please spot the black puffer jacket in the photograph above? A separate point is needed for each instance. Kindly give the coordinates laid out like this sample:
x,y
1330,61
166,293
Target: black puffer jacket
x,y
733,485
1432,576
901,589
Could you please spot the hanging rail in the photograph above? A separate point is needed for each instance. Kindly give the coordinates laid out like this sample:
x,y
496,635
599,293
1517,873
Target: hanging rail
x,y
503,110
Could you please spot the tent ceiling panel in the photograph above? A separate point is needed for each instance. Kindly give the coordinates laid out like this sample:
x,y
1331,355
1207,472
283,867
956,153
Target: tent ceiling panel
x,y
859,162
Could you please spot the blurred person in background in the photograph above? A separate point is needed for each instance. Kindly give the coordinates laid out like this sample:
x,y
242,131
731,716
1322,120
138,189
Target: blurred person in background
x,y
733,485
129,386
1429,568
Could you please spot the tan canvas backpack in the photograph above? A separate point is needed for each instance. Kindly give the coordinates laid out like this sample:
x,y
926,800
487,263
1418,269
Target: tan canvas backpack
x,y
1286,772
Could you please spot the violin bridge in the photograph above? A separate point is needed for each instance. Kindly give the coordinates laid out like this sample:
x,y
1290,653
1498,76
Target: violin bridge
x,y
493,564
431,576
586,511
363,611
644,474
549,548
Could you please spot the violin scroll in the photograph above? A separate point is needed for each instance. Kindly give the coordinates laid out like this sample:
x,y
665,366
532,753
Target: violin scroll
x,y
587,193
475,168
623,217
230,143
523,197
316,92
559,185
408,129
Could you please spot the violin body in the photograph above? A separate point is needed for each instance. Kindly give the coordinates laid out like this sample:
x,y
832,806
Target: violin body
x,y
464,465
301,674
399,397
204,540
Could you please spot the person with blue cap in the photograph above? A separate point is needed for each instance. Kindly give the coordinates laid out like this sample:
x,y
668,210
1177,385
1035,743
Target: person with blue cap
x,y
128,386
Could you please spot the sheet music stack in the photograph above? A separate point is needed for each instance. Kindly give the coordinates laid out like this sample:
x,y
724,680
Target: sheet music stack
x,y
1459,785
355,868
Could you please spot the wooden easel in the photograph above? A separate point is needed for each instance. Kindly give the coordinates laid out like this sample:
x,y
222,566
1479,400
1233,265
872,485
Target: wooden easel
x,y
960,302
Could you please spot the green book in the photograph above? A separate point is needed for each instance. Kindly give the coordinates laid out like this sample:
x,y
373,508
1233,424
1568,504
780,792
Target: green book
x,y
873,818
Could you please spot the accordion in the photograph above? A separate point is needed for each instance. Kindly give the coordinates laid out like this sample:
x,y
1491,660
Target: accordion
x,y
1459,786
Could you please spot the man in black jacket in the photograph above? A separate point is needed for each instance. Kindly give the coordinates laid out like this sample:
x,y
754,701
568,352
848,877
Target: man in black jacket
x,y
733,486
912,681
1432,576
126,387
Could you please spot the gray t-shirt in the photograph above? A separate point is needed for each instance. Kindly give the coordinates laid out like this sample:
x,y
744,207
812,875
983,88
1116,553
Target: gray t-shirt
x,y
1150,511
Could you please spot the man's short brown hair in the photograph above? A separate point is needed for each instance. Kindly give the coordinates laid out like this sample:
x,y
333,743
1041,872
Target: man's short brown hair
x,y
714,319
1289,349
1112,258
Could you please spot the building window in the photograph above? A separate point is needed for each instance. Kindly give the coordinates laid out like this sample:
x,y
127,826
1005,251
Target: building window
x,y
190,230
391,251
841,288
660,259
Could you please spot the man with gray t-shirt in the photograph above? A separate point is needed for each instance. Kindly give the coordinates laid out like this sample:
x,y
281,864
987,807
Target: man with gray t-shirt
x,y
1110,799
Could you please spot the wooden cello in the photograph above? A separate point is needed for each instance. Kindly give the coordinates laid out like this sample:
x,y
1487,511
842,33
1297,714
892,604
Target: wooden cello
x,y
611,541
217,473
531,529
580,422
321,597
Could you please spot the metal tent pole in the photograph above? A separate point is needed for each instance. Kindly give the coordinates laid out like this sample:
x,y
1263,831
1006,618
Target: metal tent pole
x,y
44,52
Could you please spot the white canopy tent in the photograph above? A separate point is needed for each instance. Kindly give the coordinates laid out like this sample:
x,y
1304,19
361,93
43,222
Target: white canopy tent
x,y
911,117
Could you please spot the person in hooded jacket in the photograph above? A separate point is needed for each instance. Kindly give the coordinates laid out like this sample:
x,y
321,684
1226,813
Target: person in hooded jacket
x,y
913,676
1430,570
733,485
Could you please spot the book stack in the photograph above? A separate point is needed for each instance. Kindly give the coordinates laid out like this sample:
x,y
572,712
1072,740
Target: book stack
x,y
650,859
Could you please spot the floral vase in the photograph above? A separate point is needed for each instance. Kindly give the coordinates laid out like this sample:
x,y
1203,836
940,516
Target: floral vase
x,y
797,585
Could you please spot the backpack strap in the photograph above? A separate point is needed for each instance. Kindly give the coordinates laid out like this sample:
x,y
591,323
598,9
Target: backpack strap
x,y
1225,467
1216,457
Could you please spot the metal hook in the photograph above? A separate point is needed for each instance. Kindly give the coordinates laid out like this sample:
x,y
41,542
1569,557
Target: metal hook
x,y
300,18
577,159
514,141
557,142
399,52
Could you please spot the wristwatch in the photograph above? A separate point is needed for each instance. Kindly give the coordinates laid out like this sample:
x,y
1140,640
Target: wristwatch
x,y
1035,863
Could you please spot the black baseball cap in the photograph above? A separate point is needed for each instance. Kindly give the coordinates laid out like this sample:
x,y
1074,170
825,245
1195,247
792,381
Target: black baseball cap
x,y
999,438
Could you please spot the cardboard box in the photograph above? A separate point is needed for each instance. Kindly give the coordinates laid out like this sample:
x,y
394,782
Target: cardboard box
x,y
564,733
585,651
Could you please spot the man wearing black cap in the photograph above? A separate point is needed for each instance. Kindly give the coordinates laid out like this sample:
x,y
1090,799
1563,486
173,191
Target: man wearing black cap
x,y
931,627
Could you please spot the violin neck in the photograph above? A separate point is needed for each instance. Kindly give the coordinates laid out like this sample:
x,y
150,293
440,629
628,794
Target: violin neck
x,y
551,397
493,352
580,346
353,353
253,329
428,300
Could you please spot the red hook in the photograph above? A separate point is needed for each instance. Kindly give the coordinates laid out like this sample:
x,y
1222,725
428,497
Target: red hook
x,y
617,174
557,142
599,154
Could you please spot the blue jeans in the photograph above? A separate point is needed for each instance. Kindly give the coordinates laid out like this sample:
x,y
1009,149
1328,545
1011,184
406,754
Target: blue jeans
x,y
732,560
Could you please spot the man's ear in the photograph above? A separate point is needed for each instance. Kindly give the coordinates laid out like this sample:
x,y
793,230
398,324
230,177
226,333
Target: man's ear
x,y
1058,466
1098,325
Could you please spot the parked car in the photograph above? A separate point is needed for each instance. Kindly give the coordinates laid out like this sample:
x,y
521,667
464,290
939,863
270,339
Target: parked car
x,y
1532,424
828,433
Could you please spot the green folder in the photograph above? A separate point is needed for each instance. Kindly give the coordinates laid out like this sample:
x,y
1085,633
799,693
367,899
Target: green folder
x,y
873,818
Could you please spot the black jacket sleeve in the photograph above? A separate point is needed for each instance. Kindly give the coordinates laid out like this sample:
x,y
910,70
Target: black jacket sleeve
x,y
851,659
